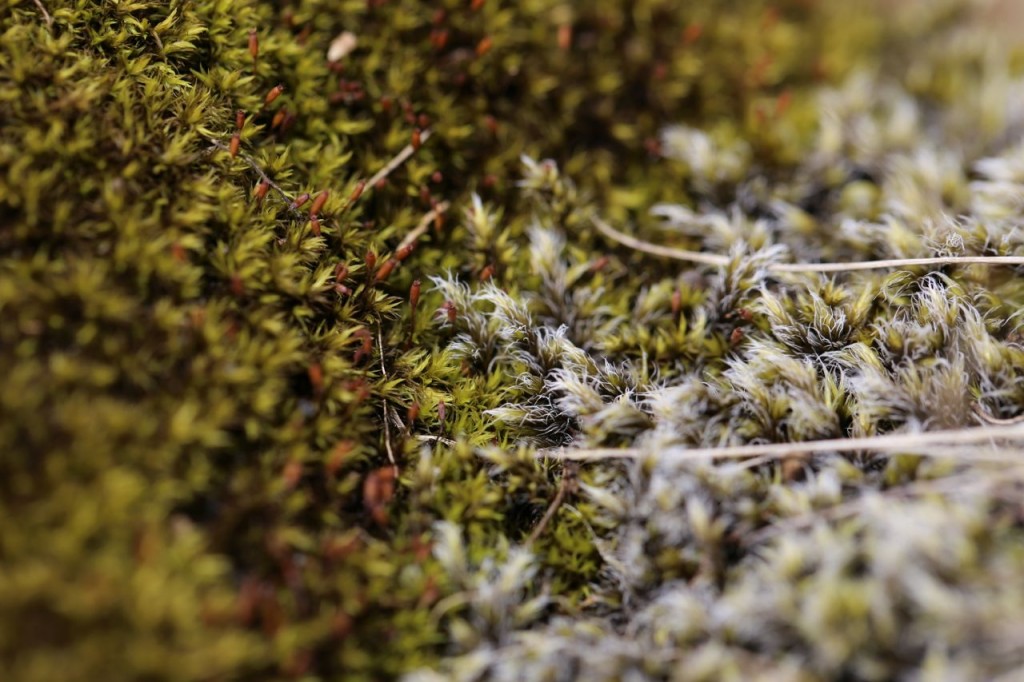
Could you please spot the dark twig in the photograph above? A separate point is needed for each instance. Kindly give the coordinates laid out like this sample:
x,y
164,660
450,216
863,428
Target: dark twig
x,y
263,175
568,480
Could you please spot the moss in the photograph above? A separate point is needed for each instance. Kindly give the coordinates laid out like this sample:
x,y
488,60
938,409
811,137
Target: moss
x,y
219,354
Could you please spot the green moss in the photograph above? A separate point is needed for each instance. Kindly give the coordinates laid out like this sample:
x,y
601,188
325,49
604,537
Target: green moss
x,y
205,401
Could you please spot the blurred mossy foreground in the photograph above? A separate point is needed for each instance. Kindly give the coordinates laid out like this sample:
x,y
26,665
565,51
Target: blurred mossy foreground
x,y
250,431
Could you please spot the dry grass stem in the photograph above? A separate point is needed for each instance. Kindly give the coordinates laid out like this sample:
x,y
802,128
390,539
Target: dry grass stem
x,y
46,15
400,158
423,225
718,260
899,442
384,401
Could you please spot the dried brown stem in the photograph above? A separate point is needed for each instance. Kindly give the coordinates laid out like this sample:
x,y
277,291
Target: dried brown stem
x,y
568,478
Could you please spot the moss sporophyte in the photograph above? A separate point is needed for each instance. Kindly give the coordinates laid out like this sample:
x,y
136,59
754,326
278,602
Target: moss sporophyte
x,y
602,340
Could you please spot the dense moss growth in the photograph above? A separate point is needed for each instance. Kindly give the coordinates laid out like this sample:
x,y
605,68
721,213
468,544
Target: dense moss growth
x,y
250,430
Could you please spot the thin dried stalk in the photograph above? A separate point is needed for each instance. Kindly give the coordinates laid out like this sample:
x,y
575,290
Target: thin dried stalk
x,y
46,15
719,260
400,158
925,443
423,225
656,250
384,401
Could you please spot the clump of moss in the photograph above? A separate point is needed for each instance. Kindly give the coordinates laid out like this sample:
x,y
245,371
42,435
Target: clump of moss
x,y
248,431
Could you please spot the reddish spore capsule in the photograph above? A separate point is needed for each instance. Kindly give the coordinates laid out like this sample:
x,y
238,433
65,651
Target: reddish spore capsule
x,y
357,192
318,203
278,118
274,93
414,294
254,44
386,269
405,252
261,190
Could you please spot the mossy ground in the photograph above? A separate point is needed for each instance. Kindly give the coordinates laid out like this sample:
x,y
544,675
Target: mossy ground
x,y
207,394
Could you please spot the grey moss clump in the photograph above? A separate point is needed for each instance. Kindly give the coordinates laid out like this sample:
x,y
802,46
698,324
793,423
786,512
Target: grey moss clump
x,y
251,429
